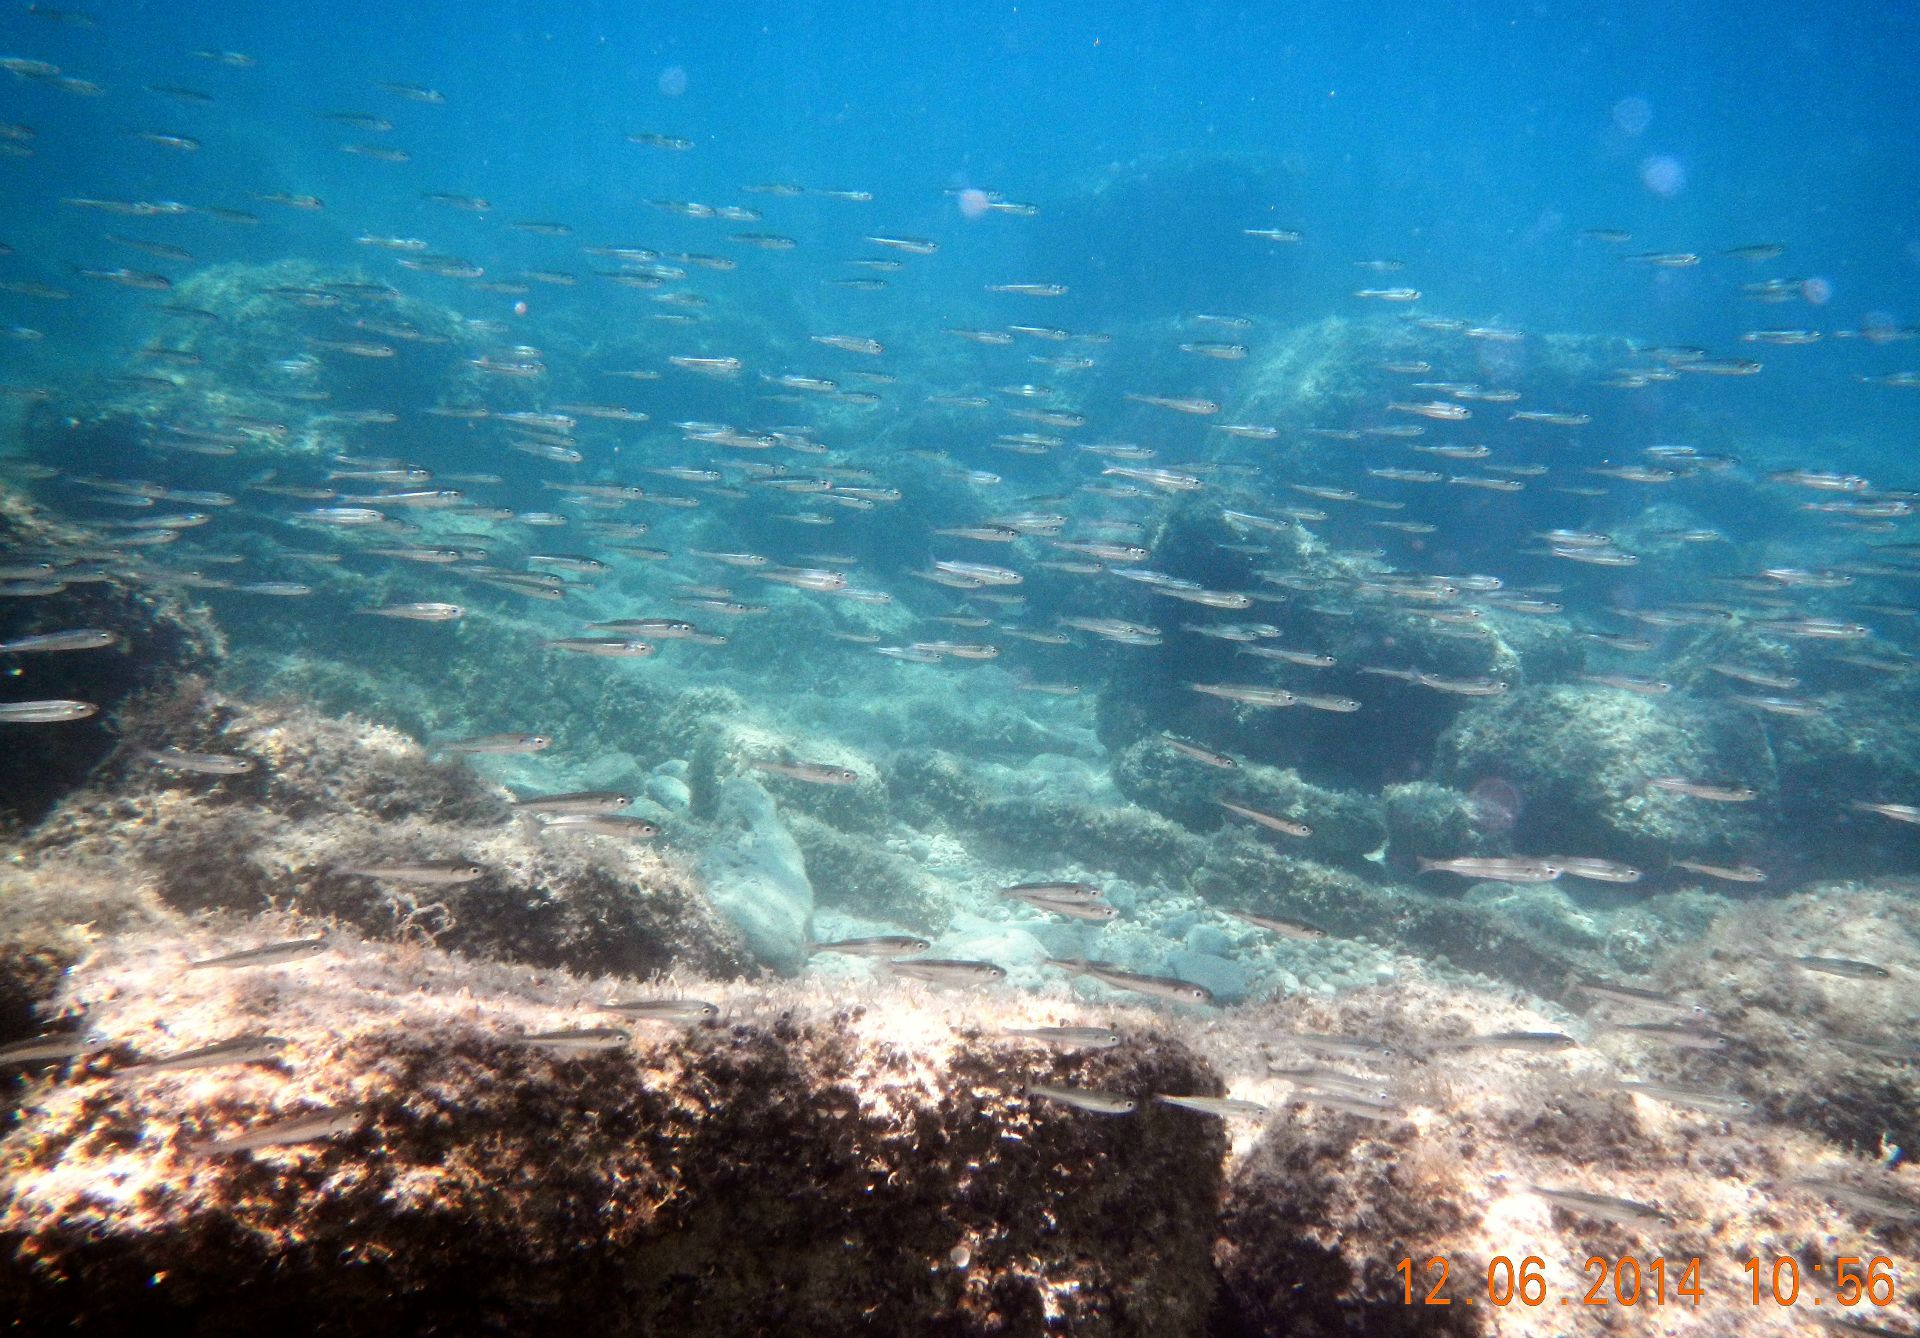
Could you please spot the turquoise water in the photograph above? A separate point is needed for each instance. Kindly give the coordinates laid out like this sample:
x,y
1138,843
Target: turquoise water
x,y
1275,507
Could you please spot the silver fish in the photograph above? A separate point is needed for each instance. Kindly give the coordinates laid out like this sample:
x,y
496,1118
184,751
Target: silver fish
x,y
1651,1001
881,945
1626,1212
813,773
1727,1105
84,638
580,801
44,712
420,613
1158,987
433,873
498,744
1274,924
1082,1098
1224,1107
1537,1042
665,1010
206,764
251,1049
947,971
601,824
273,954
41,1048
1068,1038
1844,966
1497,870
575,1039
1080,892
306,1127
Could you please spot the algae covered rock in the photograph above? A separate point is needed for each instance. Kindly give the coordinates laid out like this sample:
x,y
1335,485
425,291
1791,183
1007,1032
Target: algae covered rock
x,y
1423,818
1346,826
159,640
797,1169
757,877
1580,759
325,798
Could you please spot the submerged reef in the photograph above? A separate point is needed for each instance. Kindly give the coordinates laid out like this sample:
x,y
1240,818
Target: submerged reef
x,y
158,638
326,797
434,1142
795,1165
1580,758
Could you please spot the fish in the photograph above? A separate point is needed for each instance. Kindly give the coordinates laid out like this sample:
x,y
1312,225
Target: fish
x,y
45,712
1735,873
254,1048
1068,1037
1498,869
883,945
1378,1105
1633,996
1085,893
1680,1035
433,873
80,638
575,1040
602,647
664,1010
206,764
1169,988
1722,794
1726,1105
947,971
1082,1098
309,1126
1199,754
1285,926
1625,1212
39,1049
1594,870
1872,1202
600,824
1271,821
494,745
579,801
1846,967
272,954
1533,1042
812,773
1220,1107
1898,812
419,613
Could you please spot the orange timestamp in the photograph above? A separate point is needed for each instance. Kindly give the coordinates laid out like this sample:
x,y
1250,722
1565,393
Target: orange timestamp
x,y
1626,1280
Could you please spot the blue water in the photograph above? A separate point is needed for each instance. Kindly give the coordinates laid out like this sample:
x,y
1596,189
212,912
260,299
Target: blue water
x,y
1474,144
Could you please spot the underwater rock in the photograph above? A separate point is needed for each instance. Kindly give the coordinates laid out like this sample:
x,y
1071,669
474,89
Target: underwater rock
x,y
1580,759
1830,1049
1346,826
928,786
1323,1207
1423,817
798,1168
757,877
326,796
216,366
161,639
854,873
669,792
